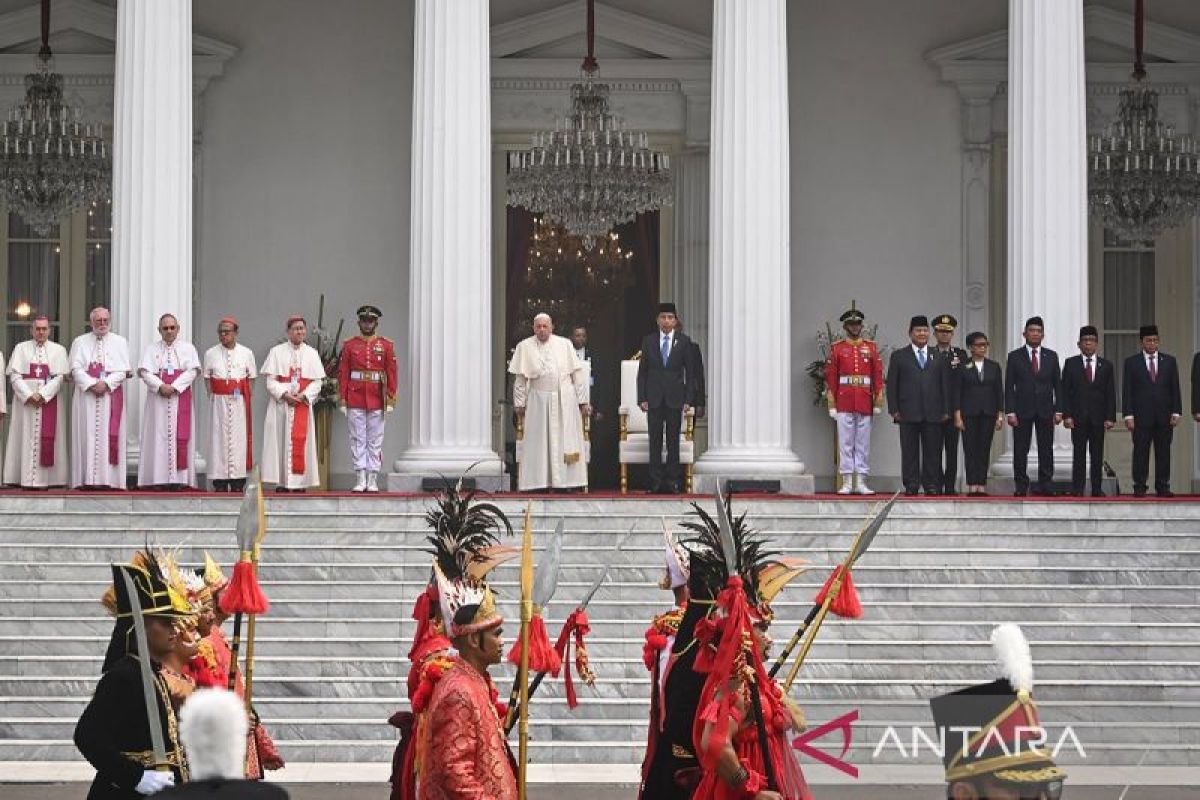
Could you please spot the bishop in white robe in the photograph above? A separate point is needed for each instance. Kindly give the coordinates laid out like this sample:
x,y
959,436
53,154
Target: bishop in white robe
x,y
99,363
293,372
168,442
550,391
229,370
36,454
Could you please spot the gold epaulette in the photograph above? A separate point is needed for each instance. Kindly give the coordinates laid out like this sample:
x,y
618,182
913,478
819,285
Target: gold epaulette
x,y
668,622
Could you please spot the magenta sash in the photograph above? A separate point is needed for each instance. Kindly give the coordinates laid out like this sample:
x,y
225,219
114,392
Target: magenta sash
x,y
183,421
116,405
49,426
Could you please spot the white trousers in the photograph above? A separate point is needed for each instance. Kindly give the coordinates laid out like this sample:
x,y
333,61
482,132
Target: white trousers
x,y
854,442
366,438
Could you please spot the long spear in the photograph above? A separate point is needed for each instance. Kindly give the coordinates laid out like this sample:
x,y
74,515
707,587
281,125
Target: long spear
x,y
861,543
256,553
243,594
523,668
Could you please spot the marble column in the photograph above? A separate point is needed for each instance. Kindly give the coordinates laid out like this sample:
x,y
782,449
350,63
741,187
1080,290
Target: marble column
x,y
689,288
449,365
1047,184
750,366
152,180
976,195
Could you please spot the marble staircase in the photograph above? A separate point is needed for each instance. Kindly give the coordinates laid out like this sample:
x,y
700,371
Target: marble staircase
x,y
1108,594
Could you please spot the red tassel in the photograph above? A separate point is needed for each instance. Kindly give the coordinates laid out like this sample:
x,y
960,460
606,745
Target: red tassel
x,y
243,595
655,642
578,626
542,657
846,603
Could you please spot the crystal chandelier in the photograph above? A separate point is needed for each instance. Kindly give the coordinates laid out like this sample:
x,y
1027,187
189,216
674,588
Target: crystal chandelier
x,y
54,164
589,174
567,281
1142,178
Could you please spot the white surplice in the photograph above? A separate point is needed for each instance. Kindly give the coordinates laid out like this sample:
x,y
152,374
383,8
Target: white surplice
x,y
98,435
37,369
159,463
550,384
287,367
228,433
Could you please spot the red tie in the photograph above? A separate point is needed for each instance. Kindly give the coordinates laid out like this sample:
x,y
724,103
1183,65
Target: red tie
x,y
1153,369
1036,366
1089,370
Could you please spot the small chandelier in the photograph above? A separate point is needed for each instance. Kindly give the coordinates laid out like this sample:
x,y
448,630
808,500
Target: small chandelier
x,y
54,164
589,174
1143,179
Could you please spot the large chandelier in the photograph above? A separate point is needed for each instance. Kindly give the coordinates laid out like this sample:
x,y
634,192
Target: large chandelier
x,y
1143,179
589,174
54,164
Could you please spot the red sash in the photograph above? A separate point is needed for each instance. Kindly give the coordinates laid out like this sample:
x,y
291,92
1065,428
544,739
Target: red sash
x,y
299,425
116,406
183,421
49,425
226,388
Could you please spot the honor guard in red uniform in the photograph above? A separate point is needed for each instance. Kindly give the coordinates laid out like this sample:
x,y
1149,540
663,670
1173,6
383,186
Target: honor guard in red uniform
x,y
854,390
367,386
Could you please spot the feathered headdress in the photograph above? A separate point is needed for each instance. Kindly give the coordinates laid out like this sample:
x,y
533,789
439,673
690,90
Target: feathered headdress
x,y
709,567
677,562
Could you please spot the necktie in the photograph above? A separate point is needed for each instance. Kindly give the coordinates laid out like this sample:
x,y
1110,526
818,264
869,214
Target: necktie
x,y
666,348
979,367
921,358
1088,370
1153,369
1036,365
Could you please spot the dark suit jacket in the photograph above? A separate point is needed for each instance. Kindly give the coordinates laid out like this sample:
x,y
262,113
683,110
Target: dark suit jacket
x,y
918,395
1032,396
670,385
1151,403
956,359
1196,384
1089,402
700,395
980,398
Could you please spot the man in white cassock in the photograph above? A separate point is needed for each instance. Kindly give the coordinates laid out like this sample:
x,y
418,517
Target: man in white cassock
x,y
293,373
229,371
168,444
36,454
99,362
550,393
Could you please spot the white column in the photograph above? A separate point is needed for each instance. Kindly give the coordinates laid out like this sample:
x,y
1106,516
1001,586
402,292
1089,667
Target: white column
x,y
976,195
449,361
750,364
689,289
1047,183
152,180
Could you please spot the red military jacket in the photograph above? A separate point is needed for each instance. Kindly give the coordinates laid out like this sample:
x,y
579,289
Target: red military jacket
x,y
854,376
367,373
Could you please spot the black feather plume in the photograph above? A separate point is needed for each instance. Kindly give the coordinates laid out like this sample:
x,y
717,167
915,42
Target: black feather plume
x,y
461,529
703,543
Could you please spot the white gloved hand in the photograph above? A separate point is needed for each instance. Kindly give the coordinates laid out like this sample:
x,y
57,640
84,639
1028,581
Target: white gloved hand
x,y
342,409
833,413
388,410
153,782
877,411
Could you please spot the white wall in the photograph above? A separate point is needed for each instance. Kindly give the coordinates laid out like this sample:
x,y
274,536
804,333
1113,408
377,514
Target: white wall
x,y
875,182
305,173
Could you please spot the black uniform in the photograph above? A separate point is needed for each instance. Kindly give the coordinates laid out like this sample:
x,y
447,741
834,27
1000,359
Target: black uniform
x,y
1088,404
114,734
1151,402
225,790
980,400
956,360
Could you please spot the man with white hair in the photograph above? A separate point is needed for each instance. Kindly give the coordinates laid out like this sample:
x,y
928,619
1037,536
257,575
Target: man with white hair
x,y
99,362
212,729
550,397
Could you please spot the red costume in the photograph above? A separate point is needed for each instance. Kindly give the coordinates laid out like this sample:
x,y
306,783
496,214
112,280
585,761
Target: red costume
x,y
854,377
367,373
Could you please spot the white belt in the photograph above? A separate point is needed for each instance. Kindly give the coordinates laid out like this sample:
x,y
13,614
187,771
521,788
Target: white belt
x,y
855,380
374,376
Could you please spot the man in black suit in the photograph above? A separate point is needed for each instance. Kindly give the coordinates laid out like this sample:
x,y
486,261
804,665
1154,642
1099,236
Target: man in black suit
x,y
956,359
579,338
1089,406
1152,406
700,397
1196,387
918,395
666,390
1032,392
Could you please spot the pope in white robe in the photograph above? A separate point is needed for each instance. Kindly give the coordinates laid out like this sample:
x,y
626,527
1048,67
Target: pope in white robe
x,y
293,374
229,369
550,390
168,436
36,454
99,363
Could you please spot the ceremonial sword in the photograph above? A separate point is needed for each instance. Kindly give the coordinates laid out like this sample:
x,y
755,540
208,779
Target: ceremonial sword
x,y
149,693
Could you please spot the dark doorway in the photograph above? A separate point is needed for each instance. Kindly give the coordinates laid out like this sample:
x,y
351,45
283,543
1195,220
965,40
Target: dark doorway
x,y
613,295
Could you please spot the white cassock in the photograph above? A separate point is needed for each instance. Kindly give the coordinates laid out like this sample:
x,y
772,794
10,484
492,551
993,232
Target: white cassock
x,y
98,422
230,373
168,443
550,384
36,454
289,457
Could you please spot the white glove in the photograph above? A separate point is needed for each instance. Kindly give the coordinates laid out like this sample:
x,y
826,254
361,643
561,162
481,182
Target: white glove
x,y
877,411
388,410
153,782
833,413
342,409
